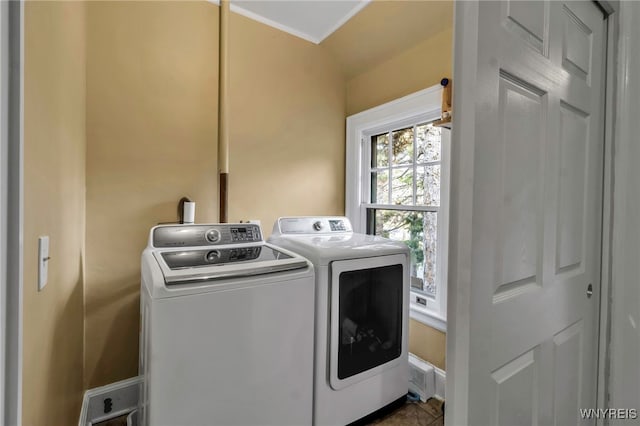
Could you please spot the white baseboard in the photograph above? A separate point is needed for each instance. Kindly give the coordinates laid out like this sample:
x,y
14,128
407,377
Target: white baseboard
x,y
441,382
122,398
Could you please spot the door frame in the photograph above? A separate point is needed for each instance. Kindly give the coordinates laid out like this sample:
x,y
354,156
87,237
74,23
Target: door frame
x,y
4,137
460,230
11,209
610,9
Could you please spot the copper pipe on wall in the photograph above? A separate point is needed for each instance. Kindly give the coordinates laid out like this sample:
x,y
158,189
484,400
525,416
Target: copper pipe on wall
x,y
223,99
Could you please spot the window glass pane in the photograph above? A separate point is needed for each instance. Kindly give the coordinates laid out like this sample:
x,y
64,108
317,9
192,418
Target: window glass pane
x,y
419,231
402,146
430,226
407,227
380,187
380,150
428,143
428,185
402,186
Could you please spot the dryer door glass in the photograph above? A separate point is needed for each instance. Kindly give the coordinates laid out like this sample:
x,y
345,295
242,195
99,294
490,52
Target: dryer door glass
x,y
370,319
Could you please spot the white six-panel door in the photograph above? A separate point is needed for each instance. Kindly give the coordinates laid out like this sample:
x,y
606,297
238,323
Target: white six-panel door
x,y
527,167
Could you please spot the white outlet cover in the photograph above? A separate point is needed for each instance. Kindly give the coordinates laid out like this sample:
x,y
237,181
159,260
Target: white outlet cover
x,y
43,262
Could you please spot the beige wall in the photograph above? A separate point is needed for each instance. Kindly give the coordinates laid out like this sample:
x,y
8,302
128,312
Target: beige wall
x,y
427,343
383,29
152,76
54,183
416,68
287,131
152,137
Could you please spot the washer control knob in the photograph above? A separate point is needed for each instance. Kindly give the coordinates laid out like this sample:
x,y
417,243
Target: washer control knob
x,y
213,255
317,225
213,235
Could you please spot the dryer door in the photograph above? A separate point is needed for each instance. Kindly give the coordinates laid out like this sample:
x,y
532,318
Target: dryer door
x,y
369,314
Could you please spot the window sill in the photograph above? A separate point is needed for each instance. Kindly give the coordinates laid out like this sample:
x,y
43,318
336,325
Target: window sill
x,y
427,317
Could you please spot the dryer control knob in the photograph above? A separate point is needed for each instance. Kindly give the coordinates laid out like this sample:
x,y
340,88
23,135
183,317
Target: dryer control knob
x,y
213,235
317,225
213,255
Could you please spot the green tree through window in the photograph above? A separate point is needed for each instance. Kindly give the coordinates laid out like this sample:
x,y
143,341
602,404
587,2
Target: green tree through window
x,y
405,195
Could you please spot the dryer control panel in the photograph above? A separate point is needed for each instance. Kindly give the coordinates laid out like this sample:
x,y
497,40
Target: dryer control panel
x,y
312,225
205,235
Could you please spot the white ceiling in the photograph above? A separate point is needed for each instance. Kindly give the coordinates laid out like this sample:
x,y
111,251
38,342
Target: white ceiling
x,y
312,20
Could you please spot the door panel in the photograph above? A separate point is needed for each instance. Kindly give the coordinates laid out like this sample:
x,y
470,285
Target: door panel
x,y
528,21
516,382
533,185
567,353
521,115
573,173
576,45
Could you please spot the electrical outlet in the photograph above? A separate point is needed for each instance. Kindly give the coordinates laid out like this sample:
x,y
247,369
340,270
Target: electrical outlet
x,y
43,262
108,405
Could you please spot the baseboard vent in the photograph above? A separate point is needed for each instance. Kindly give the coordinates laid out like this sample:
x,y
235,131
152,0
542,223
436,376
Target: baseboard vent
x,y
110,401
421,377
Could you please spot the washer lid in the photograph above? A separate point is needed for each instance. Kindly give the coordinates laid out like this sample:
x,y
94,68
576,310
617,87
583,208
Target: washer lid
x,y
220,256
203,264
322,249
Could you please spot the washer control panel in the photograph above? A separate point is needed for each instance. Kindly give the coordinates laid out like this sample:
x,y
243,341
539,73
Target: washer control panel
x,y
313,225
338,225
206,235
244,233
213,235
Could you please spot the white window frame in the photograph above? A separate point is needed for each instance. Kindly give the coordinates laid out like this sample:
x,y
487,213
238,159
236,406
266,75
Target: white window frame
x,y
424,105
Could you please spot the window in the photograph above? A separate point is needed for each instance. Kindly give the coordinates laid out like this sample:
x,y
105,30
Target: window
x,y
397,187
405,195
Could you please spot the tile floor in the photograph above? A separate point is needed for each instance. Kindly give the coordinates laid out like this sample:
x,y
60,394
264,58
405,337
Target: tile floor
x,y
411,414
428,413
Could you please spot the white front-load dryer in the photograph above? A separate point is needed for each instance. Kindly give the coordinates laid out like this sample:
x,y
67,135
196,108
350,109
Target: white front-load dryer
x,y
227,329
361,327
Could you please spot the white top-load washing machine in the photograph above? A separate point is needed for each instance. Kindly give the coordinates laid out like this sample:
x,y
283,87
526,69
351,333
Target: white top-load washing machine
x,y
362,300
227,329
